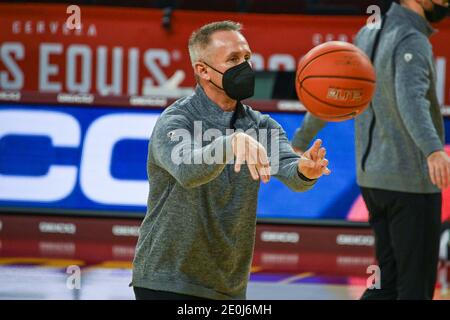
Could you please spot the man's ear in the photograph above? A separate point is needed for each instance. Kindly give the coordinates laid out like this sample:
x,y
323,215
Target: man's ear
x,y
201,71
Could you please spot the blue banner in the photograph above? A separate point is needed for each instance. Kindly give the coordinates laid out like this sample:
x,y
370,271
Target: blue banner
x,y
94,159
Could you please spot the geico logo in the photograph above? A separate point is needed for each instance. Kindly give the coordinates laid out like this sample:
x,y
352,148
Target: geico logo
x,y
270,236
125,231
93,172
52,227
355,240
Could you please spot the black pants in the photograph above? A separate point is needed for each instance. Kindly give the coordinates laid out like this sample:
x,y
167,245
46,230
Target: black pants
x,y
407,235
148,294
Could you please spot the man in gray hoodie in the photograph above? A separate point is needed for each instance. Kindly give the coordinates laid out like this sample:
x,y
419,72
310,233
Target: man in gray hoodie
x,y
197,238
400,158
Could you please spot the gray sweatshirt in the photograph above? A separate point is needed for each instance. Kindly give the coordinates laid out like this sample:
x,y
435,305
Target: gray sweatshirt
x,y
407,121
198,234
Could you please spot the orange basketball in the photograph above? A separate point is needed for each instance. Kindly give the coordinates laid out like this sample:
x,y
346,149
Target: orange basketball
x,y
335,81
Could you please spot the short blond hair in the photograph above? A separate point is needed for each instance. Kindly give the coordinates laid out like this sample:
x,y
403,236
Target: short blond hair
x,y
200,38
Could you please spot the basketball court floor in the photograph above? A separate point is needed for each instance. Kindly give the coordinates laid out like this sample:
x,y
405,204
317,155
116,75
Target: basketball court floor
x,y
41,256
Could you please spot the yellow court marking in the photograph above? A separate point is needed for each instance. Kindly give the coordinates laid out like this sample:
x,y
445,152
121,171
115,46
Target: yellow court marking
x,y
297,277
22,260
46,262
255,269
63,263
113,265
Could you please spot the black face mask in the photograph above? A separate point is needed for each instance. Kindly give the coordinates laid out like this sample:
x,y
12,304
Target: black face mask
x,y
436,14
238,81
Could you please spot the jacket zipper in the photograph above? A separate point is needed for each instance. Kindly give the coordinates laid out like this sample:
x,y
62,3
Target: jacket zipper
x,y
369,144
373,121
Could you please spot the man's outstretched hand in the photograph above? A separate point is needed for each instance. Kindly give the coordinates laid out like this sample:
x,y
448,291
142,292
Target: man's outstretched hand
x,y
249,151
312,163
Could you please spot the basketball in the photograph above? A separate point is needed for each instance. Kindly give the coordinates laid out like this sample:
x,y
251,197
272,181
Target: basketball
x,y
159,150
335,81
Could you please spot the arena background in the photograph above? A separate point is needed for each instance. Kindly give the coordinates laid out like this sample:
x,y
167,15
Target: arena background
x,y
77,108
117,73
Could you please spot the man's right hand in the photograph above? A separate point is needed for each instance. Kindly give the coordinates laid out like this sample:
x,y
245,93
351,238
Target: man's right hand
x,y
247,150
439,169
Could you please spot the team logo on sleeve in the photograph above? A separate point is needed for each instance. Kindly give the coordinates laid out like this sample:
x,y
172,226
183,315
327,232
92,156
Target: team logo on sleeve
x,y
408,57
171,135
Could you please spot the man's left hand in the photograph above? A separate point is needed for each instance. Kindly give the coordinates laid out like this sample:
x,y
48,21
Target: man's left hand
x,y
312,163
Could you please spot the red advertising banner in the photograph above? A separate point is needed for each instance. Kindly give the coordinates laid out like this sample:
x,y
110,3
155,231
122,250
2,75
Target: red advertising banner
x,y
123,52
278,248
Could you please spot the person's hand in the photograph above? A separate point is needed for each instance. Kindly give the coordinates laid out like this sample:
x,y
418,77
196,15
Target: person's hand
x,y
312,163
439,169
248,150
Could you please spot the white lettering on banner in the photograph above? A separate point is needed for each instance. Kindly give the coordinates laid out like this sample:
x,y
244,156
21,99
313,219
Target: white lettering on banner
x,y
115,88
280,258
154,59
105,67
354,261
290,105
91,30
441,67
10,96
40,27
46,69
125,231
147,101
284,62
150,58
96,180
50,27
57,248
120,251
75,98
319,38
133,71
355,240
7,51
16,27
58,182
84,52
274,236
57,227
257,61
